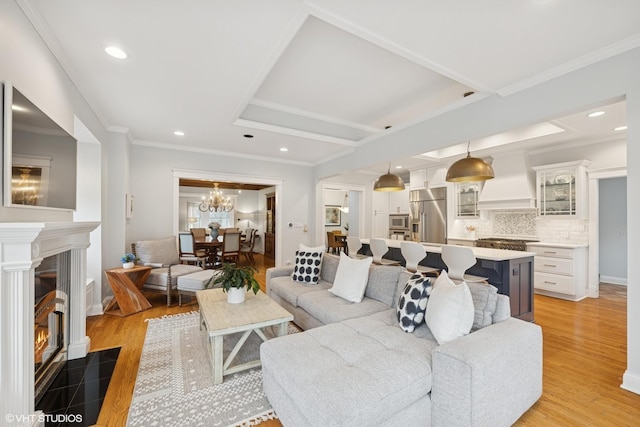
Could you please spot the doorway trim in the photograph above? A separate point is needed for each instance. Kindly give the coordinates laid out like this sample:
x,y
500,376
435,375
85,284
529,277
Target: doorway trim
x,y
220,176
593,285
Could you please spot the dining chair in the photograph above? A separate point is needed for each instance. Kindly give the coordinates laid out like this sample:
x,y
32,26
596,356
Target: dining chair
x,y
187,253
379,248
459,259
230,246
334,245
199,232
413,253
247,250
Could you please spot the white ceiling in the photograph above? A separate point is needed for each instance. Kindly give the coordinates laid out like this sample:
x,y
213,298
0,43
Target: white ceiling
x,y
321,77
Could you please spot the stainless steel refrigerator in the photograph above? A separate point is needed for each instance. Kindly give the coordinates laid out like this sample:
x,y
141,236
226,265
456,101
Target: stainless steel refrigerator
x,y
428,215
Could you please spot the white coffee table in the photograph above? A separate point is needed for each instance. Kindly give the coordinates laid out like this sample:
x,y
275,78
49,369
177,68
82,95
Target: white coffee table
x,y
220,318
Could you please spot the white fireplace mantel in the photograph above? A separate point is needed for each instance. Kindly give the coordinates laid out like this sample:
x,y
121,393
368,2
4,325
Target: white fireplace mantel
x,y
22,248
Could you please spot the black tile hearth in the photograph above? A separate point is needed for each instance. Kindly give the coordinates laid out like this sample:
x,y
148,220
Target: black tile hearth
x,y
75,396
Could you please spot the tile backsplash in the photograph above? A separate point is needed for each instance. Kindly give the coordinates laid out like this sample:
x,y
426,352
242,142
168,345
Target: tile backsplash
x,y
514,223
524,224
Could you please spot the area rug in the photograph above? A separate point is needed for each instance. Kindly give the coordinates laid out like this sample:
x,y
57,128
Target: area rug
x,y
174,385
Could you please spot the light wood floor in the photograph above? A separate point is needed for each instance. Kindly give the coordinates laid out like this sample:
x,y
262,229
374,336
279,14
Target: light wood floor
x,y
584,359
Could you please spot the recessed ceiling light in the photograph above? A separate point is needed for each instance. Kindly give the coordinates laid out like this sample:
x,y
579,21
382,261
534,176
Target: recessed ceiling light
x,y
595,114
15,107
398,167
116,52
248,136
620,128
284,149
179,133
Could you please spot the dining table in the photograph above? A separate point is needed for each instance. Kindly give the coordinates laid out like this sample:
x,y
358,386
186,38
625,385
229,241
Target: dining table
x,y
210,246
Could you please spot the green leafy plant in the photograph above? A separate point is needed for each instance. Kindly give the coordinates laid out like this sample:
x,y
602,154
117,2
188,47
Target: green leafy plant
x,y
235,276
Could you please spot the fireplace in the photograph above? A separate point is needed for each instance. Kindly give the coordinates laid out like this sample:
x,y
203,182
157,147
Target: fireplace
x,y
51,289
43,275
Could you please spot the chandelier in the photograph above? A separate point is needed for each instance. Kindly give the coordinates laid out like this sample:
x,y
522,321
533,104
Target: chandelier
x,y
26,189
217,201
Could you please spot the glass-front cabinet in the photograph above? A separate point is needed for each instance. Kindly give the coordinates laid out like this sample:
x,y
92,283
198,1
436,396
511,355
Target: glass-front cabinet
x,y
467,199
561,189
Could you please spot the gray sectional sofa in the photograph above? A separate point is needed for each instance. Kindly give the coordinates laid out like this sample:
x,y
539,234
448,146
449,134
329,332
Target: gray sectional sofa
x,y
354,366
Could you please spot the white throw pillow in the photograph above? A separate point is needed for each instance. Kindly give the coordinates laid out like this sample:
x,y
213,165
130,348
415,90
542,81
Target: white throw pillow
x,y
351,278
450,312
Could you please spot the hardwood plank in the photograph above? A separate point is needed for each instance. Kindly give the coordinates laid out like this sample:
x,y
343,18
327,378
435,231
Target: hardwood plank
x,y
584,359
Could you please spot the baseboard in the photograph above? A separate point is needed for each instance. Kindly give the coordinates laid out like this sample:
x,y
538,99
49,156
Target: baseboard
x,y
631,382
95,310
613,280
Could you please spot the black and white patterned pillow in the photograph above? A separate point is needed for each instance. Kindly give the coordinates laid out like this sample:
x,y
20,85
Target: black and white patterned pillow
x,y
307,267
413,302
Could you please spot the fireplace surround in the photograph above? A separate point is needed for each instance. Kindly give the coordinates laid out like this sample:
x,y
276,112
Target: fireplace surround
x,y
23,246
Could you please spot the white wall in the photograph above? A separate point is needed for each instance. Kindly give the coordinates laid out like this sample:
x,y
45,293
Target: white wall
x,y
27,63
613,230
152,179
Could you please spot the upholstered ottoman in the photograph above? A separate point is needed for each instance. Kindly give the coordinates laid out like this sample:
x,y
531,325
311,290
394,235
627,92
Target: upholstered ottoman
x,y
190,283
359,372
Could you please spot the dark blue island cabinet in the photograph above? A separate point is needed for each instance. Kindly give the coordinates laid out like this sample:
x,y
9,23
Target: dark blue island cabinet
x,y
511,273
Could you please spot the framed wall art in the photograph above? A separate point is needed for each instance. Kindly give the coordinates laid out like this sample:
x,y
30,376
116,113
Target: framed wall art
x,y
332,215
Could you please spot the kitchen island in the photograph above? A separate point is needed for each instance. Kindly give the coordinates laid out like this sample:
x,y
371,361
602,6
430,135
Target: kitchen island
x,y
509,271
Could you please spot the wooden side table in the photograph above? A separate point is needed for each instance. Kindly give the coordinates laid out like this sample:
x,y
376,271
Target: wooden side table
x,y
126,285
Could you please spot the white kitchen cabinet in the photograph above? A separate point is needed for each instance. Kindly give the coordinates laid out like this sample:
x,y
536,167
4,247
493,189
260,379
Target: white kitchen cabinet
x,y
399,201
467,199
436,177
460,242
560,270
418,179
562,189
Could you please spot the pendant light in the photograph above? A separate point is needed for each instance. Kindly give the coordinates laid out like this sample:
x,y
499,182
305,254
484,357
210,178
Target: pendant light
x,y
470,169
388,182
345,203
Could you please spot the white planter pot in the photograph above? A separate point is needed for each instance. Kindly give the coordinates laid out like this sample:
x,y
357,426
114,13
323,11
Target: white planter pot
x,y
128,265
235,295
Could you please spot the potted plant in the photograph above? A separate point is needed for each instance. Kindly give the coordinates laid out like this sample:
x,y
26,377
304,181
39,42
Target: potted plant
x,y
128,261
235,280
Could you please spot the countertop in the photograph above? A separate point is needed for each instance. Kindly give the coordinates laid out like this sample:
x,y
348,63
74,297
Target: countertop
x,y
480,253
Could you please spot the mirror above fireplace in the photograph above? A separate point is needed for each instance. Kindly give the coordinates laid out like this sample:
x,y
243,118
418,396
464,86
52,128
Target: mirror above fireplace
x,y
39,156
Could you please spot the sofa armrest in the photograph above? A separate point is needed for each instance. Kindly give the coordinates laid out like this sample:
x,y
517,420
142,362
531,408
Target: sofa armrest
x,y
277,272
489,377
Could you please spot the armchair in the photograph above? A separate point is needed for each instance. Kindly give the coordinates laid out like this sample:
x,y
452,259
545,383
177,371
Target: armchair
x,y
162,255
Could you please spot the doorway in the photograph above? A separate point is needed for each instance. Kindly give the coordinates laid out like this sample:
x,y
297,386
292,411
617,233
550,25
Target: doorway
x,y
274,186
345,204
598,216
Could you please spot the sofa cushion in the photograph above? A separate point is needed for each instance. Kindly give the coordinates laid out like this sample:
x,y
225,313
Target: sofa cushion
x,y
450,310
485,301
329,267
158,277
290,291
351,278
328,308
413,302
382,281
158,252
307,267
363,369
197,280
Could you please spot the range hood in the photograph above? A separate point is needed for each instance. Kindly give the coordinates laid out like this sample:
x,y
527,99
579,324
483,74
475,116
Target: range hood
x,y
513,186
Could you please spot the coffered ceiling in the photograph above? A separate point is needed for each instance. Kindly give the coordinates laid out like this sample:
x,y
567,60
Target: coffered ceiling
x,y
318,78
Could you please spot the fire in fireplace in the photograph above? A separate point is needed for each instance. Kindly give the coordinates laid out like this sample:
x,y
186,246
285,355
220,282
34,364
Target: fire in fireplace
x,y
51,290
